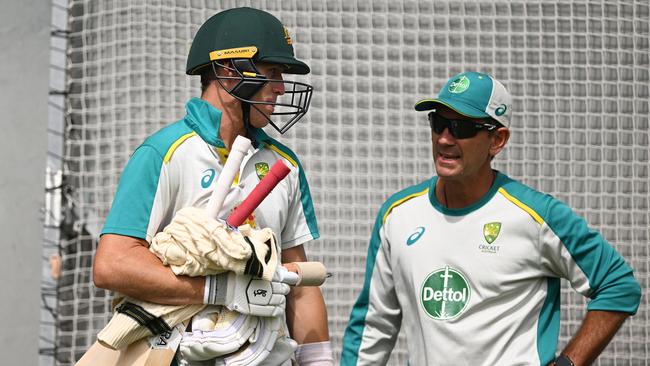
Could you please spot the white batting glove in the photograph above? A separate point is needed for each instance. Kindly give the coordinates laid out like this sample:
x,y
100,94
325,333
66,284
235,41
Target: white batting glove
x,y
249,295
285,276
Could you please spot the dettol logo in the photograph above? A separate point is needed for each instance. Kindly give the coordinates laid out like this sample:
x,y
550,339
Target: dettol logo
x,y
445,294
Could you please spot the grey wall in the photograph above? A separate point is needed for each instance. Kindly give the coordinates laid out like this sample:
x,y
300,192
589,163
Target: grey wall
x,y
24,74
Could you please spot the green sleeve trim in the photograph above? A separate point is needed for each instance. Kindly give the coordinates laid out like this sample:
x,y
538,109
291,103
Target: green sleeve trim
x,y
354,331
548,324
133,201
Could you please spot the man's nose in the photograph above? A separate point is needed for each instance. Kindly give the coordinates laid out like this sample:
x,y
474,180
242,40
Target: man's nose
x,y
445,137
278,87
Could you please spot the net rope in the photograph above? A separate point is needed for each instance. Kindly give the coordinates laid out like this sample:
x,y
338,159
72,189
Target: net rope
x,y
579,73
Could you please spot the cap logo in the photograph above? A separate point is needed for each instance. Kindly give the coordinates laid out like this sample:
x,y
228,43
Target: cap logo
x,y
287,36
239,52
501,110
459,85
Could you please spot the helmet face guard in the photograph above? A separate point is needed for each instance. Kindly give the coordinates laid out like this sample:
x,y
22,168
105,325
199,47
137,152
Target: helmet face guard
x,y
289,107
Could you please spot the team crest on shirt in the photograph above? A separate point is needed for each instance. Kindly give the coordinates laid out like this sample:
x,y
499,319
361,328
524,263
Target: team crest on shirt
x,y
445,293
491,231
261,169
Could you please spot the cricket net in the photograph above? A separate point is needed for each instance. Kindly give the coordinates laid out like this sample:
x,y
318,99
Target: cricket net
x,y
579,72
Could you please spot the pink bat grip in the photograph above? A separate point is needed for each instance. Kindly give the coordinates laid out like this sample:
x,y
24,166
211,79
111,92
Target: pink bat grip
x,y
264,187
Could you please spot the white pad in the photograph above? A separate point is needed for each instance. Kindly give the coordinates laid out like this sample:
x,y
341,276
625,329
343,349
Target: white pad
x,y
260,344
216,332
282,351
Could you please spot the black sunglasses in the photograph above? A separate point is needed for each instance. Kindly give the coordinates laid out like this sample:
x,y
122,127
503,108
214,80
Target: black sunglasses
x,y
458,128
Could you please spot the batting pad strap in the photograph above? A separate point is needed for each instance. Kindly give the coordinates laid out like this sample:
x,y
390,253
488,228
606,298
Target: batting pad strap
x,y
155,324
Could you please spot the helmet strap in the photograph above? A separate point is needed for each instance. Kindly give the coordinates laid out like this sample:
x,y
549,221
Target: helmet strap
x,y
246,117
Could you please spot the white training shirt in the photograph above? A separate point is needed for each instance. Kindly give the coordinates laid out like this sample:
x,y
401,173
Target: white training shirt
x,y
177,167
479,285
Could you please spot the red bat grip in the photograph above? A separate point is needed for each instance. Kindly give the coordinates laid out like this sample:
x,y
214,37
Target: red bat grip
x,y
264,187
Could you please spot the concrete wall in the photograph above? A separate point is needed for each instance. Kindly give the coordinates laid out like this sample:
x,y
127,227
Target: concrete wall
x,y
24,74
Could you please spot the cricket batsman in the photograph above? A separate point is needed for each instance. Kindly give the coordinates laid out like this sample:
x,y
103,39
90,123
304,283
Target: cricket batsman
x,y
241,56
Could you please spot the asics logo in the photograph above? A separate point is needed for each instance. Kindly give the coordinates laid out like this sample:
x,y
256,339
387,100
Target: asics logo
x,y
415,236
208,177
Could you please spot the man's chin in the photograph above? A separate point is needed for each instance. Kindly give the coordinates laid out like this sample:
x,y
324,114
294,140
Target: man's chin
x,y
259,122
447,171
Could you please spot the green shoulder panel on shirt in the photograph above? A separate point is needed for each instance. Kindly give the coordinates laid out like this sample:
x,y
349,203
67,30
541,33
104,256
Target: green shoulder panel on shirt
x,y
131,208
305,194
356,325
611,280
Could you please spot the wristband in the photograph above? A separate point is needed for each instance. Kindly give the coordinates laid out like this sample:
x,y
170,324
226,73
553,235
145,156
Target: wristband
x,y
210,290
563,360
315,354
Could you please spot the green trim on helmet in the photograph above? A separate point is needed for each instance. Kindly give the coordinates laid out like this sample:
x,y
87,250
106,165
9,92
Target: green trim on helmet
x,y
240,28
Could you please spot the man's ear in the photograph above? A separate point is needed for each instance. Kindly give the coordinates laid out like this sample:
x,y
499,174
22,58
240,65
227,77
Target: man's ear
x,y
226,69
499,139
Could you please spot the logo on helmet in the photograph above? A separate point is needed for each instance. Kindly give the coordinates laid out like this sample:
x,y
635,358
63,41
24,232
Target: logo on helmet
x,y
239,52
459,85
287,36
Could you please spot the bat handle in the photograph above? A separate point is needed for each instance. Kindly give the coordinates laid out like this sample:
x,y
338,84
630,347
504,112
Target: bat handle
x,y
239,149
310,273
277,172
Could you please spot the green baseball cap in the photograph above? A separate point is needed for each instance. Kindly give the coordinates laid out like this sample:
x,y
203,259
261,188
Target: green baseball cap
x,y
243,33
473,94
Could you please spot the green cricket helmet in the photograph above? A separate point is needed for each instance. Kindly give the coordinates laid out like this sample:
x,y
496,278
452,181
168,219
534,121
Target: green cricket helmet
x,y
246,37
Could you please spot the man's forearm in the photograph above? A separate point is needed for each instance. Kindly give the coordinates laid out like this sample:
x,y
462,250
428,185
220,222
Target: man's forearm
x,y
125,265
306,311
597,329
307,315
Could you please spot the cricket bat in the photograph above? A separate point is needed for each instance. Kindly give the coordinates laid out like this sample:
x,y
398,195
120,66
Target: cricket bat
x,y
159,349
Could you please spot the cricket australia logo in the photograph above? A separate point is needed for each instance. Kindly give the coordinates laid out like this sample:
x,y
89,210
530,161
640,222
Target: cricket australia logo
x,y
445,294
491,231
261,169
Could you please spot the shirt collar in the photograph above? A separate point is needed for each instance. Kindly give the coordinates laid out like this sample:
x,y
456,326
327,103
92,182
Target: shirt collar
x,y
205,120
